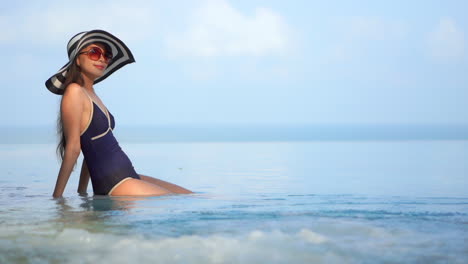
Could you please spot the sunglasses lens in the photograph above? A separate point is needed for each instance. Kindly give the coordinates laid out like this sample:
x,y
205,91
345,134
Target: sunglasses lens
x,y
108,56
94,53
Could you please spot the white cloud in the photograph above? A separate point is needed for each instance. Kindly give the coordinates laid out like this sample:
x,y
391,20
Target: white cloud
x,y
56,22
446,42
218,29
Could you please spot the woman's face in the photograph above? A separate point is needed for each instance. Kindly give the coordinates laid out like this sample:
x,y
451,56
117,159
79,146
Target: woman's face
x,y
92,68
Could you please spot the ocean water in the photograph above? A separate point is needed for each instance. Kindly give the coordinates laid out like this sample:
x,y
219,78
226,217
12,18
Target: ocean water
x,y
254,202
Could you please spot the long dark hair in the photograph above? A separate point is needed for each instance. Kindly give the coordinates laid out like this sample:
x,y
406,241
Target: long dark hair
x,y
73,76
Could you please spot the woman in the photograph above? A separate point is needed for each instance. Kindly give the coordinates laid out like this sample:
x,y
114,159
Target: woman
x,y
86,125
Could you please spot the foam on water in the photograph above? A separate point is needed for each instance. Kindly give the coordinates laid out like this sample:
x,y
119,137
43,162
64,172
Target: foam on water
x,y
329,241
78,246
254,247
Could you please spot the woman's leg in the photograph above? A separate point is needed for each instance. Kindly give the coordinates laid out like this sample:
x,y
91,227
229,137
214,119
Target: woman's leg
x,y
165,185
135,187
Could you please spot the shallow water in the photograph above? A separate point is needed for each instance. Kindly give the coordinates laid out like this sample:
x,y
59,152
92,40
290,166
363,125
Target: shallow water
x,y
301,202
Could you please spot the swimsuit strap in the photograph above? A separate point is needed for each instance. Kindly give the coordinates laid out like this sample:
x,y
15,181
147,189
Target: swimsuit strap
x,y
88,95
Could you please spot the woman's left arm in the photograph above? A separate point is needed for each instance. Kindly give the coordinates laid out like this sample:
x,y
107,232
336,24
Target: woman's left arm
x,y
84,178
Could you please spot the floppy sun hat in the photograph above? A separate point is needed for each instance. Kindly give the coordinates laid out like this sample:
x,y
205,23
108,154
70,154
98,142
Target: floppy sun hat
x,y
121,56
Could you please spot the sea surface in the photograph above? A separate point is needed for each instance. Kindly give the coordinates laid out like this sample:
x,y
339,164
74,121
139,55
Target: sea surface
x,y
363,201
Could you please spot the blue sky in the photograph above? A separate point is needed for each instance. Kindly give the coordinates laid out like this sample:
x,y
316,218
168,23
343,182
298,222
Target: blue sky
x,y
248,62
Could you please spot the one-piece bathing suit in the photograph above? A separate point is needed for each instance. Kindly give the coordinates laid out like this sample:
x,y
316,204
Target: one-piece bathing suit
x,y
108,165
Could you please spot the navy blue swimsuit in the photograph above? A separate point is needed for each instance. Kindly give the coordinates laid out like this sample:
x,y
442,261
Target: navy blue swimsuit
x,y
108,165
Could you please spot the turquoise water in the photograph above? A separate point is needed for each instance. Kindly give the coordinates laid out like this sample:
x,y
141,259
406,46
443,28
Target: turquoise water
x,y
264,202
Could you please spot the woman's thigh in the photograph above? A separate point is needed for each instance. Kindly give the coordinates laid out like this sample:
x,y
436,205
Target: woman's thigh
x,y
165,185
134,187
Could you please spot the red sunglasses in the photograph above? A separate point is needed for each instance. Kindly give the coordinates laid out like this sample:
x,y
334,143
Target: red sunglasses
x,y
95,54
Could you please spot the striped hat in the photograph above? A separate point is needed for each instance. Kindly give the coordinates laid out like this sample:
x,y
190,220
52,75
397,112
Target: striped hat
x,y
121,56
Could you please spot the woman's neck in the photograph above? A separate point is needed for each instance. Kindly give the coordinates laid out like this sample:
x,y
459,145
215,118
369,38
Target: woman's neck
x,y
88,83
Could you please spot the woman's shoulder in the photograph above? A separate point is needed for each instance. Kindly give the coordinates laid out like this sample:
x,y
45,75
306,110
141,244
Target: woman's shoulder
x,y
73,87
73,90
73,94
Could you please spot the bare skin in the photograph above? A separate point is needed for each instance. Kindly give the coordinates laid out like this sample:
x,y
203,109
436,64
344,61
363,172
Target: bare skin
x,y
76,110
134,187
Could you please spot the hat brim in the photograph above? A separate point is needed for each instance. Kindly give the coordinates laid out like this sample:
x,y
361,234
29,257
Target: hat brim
x,y
121,57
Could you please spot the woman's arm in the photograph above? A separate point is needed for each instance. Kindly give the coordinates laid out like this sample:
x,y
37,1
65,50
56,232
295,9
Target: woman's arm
x,y
84,178
72,109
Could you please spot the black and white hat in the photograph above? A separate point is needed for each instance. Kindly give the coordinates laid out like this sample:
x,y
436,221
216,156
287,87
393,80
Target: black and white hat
x,y
121,56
